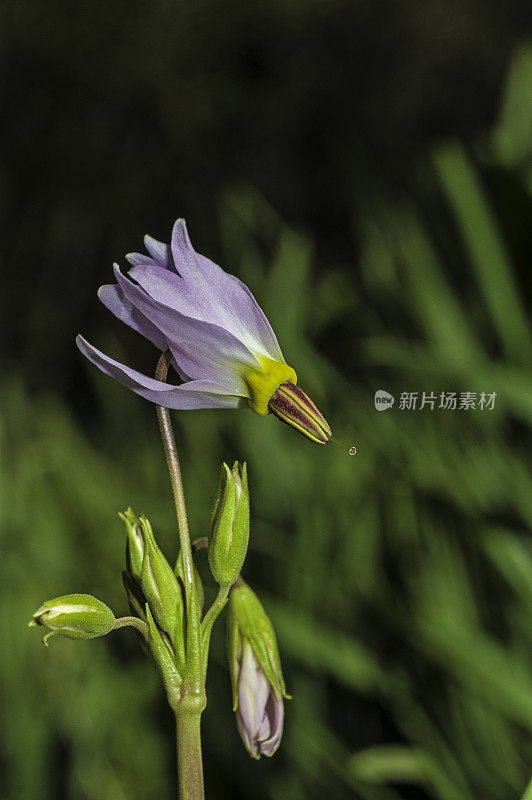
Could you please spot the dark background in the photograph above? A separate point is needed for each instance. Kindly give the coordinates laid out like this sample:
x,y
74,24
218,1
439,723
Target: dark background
x,y
367,169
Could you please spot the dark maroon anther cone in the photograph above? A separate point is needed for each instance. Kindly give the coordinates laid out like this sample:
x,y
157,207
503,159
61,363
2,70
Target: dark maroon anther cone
x,y
291,405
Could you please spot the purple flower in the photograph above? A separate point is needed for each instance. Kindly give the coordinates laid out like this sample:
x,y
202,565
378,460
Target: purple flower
x,y
223,347
260,713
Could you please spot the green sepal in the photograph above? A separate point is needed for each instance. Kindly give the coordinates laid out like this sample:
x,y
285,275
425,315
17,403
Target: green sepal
x,y
76,616
134,543
135,595
229,530
164,656
254,624
194,612
234,649
161,587
47,636
179,571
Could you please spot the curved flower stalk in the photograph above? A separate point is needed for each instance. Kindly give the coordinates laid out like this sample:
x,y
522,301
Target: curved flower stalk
x,y
222,345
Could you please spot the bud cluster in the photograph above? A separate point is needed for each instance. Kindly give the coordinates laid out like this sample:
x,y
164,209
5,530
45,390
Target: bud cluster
x,y
155,595
168,611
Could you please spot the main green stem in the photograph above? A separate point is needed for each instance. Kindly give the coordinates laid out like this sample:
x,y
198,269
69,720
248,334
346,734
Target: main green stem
x,y
192,701
188,737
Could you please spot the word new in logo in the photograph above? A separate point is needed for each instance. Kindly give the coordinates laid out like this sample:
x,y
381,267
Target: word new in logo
x,y
383,400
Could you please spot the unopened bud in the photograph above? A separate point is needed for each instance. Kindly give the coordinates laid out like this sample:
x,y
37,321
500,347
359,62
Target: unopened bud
x,y
76,616
256,674
229,534
164,656
134,543
160,586
291,405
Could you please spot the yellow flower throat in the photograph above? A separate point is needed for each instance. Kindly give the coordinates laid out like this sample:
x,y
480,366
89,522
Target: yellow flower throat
x,y
264,381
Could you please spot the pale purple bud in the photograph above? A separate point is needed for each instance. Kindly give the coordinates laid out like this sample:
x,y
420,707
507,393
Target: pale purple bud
x,y
260,713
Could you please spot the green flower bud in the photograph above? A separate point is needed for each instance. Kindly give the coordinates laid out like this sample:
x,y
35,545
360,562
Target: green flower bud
x,y
76,616
160,586
229,534
134,543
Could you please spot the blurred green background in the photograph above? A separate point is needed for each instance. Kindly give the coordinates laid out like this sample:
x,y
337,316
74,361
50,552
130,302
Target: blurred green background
x,y
367,169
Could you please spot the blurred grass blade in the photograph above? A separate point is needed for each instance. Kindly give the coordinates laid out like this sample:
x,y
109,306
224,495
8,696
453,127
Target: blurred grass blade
x,y
397,764
487,252
528,792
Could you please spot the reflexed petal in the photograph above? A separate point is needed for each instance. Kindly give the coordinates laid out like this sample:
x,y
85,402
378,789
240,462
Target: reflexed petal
x,y
160,252
215,296
191,395
203,290
140,258
173,291
113,298
203,350
182,250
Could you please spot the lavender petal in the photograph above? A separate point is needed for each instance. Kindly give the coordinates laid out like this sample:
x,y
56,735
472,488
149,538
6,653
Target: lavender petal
x,y
273,728
205,292
253,692
160,252
189,396
215,296
113,298
203,350
140,258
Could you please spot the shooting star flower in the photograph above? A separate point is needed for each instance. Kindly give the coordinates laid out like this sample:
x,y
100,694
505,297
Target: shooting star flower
x,y
223,347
